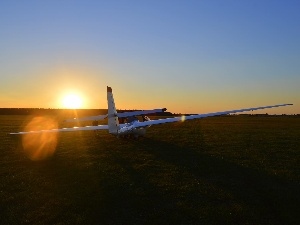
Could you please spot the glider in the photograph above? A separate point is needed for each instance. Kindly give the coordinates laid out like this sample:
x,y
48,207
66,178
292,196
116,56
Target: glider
x,y
133,127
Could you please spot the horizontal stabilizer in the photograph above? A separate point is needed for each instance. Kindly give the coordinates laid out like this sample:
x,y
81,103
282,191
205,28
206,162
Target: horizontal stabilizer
x,y
120,115
142,112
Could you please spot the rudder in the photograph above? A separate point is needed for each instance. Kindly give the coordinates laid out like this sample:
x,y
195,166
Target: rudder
x,y
113,121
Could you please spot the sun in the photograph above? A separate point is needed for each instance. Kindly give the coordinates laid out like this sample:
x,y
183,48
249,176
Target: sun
x,y
72,101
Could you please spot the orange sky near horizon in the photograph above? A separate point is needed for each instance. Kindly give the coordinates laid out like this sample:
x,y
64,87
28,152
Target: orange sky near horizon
x,y
61,82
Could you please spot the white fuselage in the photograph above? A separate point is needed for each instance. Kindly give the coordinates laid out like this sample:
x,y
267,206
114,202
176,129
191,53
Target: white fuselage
x,y
129,129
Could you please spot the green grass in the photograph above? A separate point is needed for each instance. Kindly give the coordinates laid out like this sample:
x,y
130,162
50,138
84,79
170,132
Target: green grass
x,y
222,170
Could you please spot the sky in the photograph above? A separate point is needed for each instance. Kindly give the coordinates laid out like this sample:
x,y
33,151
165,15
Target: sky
x,y
188,56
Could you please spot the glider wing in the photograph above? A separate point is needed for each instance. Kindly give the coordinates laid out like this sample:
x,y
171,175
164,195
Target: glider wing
x,y
100,127
197,116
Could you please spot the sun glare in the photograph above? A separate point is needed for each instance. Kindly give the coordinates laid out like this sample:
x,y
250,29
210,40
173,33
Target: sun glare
x,y
72,101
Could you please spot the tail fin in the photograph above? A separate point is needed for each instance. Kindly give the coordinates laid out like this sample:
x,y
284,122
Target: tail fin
x,y
113,122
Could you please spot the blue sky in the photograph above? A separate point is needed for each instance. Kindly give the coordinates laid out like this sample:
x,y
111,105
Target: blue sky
x,y
187,56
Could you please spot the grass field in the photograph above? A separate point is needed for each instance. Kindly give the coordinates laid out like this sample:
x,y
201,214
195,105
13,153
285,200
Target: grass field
x,y
221,170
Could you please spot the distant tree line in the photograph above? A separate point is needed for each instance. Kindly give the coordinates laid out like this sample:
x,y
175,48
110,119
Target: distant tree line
x,y
49,111
62,112
93,112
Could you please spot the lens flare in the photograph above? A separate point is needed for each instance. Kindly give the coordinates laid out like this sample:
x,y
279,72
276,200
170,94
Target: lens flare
x,y
40,146
183,118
